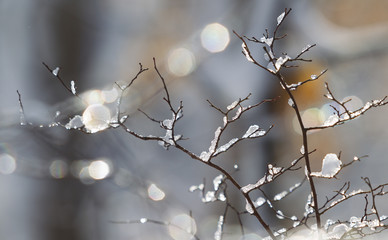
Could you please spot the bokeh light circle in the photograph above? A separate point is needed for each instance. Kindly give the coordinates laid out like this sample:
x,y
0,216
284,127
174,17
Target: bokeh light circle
x,y
155,193
58,169
96,117
7,164
312,117
353,103
110,96
181,62
93,97
99,169
215,37
182,227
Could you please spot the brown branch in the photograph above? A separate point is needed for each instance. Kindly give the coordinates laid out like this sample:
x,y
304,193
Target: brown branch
x,y
286,12
57,76
249,53
22,116
167,99
306,153
347,115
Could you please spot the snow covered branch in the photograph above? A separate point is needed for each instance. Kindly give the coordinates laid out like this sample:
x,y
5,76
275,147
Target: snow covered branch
x,y
343,114
99,117
331,164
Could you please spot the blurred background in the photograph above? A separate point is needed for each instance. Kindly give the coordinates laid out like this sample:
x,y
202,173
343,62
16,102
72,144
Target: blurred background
x,y
61,184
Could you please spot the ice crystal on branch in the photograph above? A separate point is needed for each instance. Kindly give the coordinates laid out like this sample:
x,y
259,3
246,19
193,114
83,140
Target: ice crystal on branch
x,y
56,71
267,41
220,224
291,102
259,202
226,146
168,139
75,123
249,208
246,53
218,194
231,106
331,121
279,196
205,156
280,18
272,173
73,88
281,61
254,131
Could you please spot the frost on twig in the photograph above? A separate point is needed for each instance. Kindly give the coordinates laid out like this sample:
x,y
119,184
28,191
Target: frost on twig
x,y
246,52
23,119
275,62
170,138
294,86
220,226
283,194
370,223
205,156
232,113
331,164
253,132
342,113
73,87
272,174
218,192
95,117
22,116
55,72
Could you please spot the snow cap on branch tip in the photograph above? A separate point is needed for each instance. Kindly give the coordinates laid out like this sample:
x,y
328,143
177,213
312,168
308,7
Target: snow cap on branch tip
x,y
56,71
331,165
246,53
254,131
280,18
73,87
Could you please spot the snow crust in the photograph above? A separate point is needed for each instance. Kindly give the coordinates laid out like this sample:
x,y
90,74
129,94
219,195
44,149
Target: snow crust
x,y
268,177
246,53
226,146
56,71
218,233
291,102
280,18
75,122
331,121
72,87
205,156
331,165
253,131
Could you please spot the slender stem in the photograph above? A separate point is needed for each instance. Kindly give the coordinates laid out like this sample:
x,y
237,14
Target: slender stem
x,y
306,151
192,155
246,196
